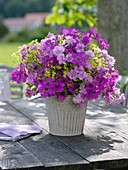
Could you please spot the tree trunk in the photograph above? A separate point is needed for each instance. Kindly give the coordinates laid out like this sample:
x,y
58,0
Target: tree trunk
x,y
113,26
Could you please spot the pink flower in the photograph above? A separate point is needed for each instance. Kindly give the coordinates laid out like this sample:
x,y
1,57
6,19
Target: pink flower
x,y
61,59
89,54
58,50
111,62
80,47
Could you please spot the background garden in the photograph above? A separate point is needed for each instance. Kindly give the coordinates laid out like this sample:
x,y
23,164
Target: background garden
x,y
9,41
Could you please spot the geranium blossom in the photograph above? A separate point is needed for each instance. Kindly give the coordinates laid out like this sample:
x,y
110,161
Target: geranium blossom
x,y
73,63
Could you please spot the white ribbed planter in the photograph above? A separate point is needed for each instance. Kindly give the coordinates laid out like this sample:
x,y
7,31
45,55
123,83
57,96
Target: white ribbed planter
x,y
65,118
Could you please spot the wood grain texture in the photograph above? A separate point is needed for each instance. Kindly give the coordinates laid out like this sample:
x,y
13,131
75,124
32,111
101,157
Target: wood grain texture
x,y
51,152
14,155
41,150
103,144
35,110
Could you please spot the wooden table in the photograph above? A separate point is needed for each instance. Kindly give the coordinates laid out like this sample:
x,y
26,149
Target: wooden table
x,y
104,143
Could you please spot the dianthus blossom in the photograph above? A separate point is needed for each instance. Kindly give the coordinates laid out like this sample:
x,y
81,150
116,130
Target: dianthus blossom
x,y
70,63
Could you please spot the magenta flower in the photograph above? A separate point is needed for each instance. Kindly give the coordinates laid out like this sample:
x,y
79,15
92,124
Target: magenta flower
x,y
61,96
87,40
103,43
19,76
58,88
73,88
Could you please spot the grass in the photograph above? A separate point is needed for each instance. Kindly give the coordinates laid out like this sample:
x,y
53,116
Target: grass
x,y
6,58
6,50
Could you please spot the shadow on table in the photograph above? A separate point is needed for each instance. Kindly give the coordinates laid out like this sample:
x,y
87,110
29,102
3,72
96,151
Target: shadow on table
x,y
116,108
59,150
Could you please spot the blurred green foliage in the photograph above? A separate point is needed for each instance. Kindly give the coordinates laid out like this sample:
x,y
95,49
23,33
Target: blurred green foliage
x,y
3,29
73,12
42,31
27,35
18,8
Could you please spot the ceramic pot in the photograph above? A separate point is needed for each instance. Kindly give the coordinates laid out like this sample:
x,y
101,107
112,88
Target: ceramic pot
x,y
64,117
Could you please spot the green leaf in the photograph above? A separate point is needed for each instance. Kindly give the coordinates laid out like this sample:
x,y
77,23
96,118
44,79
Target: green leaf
x,y
91,20
61,19
81,16
48,19
70,12
80,1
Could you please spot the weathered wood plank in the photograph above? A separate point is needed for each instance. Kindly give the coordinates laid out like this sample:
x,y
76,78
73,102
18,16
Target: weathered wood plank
x,y
101,144
110,116
51,152
35,110
44,147
14,155
12,116
103,141
101,150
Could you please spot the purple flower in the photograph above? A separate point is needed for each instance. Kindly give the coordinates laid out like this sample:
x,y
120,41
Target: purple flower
x,y
105,54
28,92
70,40
69,58
45,60
44,90
87,64
61,96
114,73
90,86
89,54
19,75
110,98
23,50
50,34
101,70
58,88
45,47
80,48
77,72
93,31
61,59
78,99
34,47
103,44
72,88
31,77
111,62
58,50
87,40
63,80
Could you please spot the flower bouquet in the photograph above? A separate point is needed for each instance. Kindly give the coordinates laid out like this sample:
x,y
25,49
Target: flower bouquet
x,y
72,63
69,69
